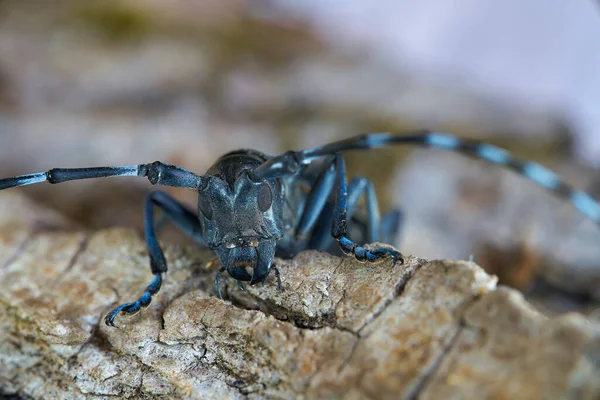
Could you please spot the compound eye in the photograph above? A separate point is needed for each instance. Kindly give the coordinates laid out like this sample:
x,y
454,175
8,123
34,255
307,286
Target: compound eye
x,y
204,207
265,197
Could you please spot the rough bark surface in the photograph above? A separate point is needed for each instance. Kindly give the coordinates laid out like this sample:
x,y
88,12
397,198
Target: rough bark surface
x,y
427,329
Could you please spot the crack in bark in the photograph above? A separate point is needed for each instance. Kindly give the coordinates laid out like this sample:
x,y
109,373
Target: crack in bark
x,y
422,384
83,244
398,290
408,275
19,250
138,390
350,355
418,389
93,333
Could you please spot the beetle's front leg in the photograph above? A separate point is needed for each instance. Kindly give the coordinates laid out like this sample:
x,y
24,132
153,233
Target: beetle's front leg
x,y
184,219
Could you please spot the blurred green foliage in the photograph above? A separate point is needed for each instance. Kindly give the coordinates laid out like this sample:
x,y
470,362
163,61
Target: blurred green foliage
x,y
111,20
263,42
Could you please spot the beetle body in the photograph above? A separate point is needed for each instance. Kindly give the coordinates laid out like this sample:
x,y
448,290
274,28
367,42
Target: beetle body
x,y
252,207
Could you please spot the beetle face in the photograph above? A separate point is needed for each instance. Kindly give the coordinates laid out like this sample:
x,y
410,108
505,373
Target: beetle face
x,y
242,221
250,264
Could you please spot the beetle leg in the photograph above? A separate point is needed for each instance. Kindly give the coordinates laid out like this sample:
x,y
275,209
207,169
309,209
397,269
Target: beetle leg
x,y
390,226
278,275
317,198
218,282
339,228
184,219
377,229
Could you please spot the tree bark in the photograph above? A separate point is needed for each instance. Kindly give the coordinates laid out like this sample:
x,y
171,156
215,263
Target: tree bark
x,y
340,329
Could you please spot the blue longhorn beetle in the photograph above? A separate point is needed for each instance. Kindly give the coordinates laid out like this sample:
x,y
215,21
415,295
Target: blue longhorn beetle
x,y
252,207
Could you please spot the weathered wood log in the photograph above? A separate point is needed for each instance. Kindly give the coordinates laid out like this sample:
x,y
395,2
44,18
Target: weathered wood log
x,y
427,329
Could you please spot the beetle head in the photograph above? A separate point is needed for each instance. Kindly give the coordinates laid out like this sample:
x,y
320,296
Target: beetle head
x,y
241,219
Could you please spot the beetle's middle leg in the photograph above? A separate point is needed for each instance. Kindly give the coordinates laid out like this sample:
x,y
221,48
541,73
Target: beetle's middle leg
x,y
333,175
184,219
378,229
339,228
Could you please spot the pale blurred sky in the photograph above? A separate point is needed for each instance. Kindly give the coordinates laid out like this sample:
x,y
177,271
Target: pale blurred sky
x,y
543,54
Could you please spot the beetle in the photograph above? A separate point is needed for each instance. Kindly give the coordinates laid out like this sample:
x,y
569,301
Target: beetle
x,y
253,207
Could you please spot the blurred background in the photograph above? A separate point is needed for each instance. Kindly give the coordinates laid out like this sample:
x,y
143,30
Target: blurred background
x,y
112,82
